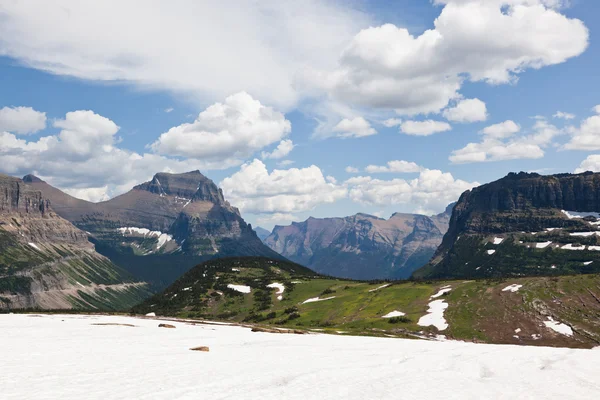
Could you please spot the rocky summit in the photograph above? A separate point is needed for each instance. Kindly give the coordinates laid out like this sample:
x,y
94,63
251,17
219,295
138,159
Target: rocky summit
x,y
161,228
46,262
362,246
523,224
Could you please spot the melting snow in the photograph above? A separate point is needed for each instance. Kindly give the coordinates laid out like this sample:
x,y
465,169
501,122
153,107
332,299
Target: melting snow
x,y
498,240
542,245
314,299
394,314
185,289
280,289
34,246
587,262
443,290
162,237
380,287
239,288
490,252
571,247
559,327
517,330
585,233
551,229
512,288
579,214
595,248
151,314
435,315
235,269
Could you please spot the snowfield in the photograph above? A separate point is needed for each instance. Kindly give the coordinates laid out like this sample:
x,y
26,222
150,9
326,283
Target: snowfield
x,y
240,288
66,357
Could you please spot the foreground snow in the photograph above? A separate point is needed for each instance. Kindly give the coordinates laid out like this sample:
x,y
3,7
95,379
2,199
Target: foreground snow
x,y
66,357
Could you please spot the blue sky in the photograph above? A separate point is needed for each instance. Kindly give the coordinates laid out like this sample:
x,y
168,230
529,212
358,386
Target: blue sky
x,y
317,80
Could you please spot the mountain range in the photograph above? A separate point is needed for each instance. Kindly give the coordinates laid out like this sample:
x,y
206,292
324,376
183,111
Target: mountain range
x,y
362,246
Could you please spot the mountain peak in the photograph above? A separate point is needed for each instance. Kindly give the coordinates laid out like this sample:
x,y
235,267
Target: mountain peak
x,y
30,178
190,185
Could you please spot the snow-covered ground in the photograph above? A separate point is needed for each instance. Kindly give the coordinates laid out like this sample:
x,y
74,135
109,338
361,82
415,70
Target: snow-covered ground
x,y
240,288
66,357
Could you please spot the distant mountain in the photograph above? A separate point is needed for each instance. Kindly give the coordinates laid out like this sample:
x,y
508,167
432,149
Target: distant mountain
x,y
262,233
46,262
522,224
161,228
362,246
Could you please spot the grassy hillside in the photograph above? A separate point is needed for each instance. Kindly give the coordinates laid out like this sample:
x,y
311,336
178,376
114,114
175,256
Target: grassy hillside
x,y
478,310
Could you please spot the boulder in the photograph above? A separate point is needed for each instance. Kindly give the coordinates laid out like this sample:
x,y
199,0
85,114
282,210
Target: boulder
x,y
166,326
200,348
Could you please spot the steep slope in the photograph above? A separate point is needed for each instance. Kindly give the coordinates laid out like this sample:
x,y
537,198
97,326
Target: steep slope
x,y
161,228
262,233
522,224
558,311
361,246
46,262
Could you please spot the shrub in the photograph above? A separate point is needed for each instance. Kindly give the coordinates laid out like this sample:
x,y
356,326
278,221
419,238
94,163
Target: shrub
x,y
327,291
291,310
402,319
293,315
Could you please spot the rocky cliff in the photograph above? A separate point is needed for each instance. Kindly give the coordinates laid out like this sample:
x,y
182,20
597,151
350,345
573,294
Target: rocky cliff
x,y
522,224
161,228
46,262
361,246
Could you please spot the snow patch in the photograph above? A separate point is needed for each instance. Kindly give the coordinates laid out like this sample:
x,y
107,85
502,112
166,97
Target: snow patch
x,y
315,299
498,240
556,326
518,330
435,316
280,289
132,230
585,233
34,246
542,245
512,288
240,288
380,287
443,290
393,314
235,270
571,247
579,214
594,248
490,252
151,314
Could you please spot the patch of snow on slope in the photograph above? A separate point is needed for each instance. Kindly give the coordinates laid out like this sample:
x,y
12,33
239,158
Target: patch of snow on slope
x,y
542,245
42,354
435,315
380,287
594,248
490,252
587,262
34,246
151,314
235,270
315,299
280,289
441,292
579,214
584,233
512,288
132,230
240,288
558,327
571,247
551,229
498,240
162,239
393,314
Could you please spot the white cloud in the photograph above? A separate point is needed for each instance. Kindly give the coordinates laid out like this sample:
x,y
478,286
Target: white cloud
x,y
502,130
21,120
231,131
586,136
432,190
352,170
168,110
563,115
195,52
499,143
398,166
468,110
90,194
275,219
356,127
591,163
285,163
283,149
472,40
254,189
392,122
597,109
424,128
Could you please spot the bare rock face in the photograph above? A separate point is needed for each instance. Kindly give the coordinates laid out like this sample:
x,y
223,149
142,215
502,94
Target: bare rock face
x,y
361,246
200,348
169,326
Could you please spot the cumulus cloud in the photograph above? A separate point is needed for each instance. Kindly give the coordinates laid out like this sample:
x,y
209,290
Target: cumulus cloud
x,y
499,143
389,123
398,166
232,130
564,115
254,189
352,170
283,149
21,120
591,163
597,109
432,190
490,41
356,127
468,110
94,195
424,128
586,136
285,163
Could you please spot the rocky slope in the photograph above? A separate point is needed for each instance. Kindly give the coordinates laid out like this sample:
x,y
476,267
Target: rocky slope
x,y
523,224
161,228
362,246
46,262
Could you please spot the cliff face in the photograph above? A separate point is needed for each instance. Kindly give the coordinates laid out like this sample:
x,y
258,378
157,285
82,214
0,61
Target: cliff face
x,y
360,246
163,227
46,262
512,207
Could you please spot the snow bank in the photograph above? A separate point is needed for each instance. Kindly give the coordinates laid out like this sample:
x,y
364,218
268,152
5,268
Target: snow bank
x,y
151,314
46,358
240,288
34,246
512,288
380,287
579,214
490,252
587,262
542,245
571,247
594,248
498,240
315,299
585,233
394,314
280,289
435,315
440,292
558,327
162,238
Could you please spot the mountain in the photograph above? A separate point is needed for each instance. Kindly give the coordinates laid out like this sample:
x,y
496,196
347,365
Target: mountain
x,y
362,246
262,233
522,224
161,228
279,296
46,262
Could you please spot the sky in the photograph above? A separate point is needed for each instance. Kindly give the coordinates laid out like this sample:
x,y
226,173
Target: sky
x,y
298,109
